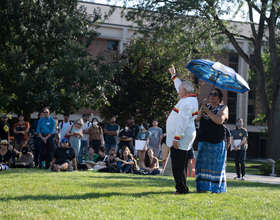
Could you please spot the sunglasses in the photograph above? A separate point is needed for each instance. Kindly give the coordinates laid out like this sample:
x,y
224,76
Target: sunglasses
x,y
213,94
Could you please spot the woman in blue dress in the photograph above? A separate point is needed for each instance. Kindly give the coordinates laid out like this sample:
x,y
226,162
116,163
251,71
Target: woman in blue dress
x,y
210,163
76,133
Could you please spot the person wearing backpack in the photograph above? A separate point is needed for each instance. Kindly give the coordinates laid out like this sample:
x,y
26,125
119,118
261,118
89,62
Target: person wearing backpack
x,y
64,125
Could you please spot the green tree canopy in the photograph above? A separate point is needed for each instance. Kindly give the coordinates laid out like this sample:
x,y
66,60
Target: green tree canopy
x,y
155,14
44,58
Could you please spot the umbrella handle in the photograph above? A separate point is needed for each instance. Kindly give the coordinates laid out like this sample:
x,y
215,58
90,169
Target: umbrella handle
x,y
213,85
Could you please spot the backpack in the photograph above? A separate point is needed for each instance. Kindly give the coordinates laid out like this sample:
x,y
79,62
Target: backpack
x,y
62,123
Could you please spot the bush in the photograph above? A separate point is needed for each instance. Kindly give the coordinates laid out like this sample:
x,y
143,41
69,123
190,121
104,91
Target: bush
x,y
266,168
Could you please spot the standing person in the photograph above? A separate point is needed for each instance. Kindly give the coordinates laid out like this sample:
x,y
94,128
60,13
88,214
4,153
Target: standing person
x,y
76,134
190,161
126,139
5,155
57,134
46,130
143,135
21,129
135,128
155,138
164,148
210,162
180,130
4,128
64,125
95,135
84,141
111,130
239,138
36,138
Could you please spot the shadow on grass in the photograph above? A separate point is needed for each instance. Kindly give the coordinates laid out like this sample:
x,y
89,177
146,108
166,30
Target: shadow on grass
x,y
93,195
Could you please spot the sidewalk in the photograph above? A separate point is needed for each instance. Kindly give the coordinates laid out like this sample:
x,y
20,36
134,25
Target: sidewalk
x,y
257,178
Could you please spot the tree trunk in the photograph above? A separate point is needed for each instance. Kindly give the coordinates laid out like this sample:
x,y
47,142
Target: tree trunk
x,y
273,148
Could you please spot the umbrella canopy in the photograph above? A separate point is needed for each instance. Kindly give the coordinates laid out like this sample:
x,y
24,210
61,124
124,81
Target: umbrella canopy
x,y
218,74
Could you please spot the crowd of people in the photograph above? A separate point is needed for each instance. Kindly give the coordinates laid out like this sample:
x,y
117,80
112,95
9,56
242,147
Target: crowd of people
x,y
81,145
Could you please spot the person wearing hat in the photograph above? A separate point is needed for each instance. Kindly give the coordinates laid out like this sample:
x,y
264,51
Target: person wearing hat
x,y
64,157
26,159
4,128
5,155
21,129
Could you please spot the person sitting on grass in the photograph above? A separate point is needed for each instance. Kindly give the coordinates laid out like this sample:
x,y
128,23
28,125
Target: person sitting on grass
x,y
14,153
125,161
5,155
64,157
26,159
91,158
151,166
111,159
101,164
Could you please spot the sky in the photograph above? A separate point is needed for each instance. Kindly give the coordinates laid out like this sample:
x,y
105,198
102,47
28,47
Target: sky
x,y
239,17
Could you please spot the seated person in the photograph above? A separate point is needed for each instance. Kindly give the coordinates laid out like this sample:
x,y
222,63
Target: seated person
x,y
111,159
26,159
15,154
126,139
5,155
101,164
150,166
64,157
125,161
91,157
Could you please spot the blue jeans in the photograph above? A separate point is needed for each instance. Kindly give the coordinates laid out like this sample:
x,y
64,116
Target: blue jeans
x,y
126,168
81,153
107,147
239,157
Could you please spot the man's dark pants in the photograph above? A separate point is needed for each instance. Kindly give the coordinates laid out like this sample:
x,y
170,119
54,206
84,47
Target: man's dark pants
x,y
179,161
239,157
49,147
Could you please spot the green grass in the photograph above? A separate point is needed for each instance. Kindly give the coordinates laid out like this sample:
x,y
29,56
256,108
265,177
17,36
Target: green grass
x,y
40,194
250,167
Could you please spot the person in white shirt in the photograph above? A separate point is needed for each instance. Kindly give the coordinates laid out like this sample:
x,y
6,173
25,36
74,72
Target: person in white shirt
x,y
64,125
180,130
84,141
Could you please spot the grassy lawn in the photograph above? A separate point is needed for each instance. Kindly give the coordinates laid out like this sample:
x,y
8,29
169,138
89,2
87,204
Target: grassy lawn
x,y
40,194
250,167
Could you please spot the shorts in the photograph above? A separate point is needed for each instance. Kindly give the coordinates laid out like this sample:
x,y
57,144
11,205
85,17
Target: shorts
x,y
164,151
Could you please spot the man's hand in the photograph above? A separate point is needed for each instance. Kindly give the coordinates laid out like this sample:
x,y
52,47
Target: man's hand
x,y
172,70
176,144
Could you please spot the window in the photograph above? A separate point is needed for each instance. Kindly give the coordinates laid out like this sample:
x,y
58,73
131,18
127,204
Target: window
x,y
112,45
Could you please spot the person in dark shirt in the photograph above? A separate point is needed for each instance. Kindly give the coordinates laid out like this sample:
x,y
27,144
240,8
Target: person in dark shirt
x,y
126,139
5,155
36,138
64,158
135,128
4,128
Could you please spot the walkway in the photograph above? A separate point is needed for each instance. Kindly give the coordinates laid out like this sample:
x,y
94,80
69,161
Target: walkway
x,y
258,178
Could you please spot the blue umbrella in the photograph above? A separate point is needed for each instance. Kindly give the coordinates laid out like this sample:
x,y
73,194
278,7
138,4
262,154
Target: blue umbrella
x,y
219,75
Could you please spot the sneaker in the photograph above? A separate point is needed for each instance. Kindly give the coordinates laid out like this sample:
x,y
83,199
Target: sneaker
x,y
236,178
243,178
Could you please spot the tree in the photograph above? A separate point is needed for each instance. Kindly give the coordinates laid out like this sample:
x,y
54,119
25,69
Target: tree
x,y
44,58
157,13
